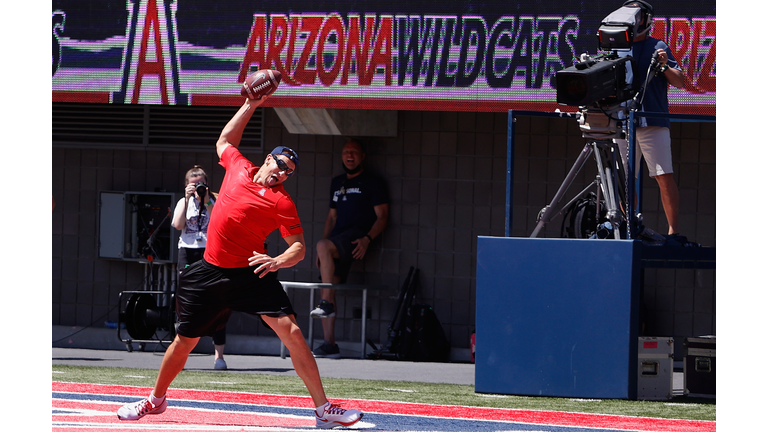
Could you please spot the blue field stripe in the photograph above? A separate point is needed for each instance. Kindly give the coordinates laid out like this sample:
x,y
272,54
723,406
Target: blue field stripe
x,y
383,422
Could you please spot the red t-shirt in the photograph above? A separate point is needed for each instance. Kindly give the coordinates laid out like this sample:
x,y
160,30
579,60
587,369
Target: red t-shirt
x,y
245,213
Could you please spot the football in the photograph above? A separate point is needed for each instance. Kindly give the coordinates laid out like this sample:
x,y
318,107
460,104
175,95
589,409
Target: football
x,y
261,83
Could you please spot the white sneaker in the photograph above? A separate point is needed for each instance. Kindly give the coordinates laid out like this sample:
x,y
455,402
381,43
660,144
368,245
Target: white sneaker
x,y
324,310
334,416
220,364
137,410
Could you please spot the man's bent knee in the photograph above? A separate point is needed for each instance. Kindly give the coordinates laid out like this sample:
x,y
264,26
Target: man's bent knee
x,y
326,246
185,343
285,327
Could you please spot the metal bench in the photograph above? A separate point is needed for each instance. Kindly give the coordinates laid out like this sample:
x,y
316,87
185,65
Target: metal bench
x,y
312,286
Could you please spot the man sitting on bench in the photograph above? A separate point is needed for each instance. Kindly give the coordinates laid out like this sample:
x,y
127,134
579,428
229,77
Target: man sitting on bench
x,y
359,211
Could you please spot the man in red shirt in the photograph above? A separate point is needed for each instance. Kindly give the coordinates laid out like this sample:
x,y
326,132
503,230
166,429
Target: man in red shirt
x,y
252,203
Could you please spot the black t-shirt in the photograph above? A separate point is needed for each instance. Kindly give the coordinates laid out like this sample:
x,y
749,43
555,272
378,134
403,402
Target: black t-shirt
x,y
354,200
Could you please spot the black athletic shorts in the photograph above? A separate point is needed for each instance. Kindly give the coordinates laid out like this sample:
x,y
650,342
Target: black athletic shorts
x,y
343,242
207,295
187,256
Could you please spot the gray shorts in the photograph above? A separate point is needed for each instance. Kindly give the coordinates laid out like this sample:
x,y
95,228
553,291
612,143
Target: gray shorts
x,y
655,146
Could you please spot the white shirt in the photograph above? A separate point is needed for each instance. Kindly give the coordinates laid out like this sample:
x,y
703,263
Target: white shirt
x,y
195,232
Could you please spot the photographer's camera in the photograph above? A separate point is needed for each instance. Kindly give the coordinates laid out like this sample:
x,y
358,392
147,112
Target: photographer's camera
x,y
201,188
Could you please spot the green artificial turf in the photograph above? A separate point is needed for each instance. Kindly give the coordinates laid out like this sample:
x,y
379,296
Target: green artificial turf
x,y
681,407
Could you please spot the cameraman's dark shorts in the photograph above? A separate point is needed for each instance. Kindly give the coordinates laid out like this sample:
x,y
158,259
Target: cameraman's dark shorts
x,y
207,296
343,243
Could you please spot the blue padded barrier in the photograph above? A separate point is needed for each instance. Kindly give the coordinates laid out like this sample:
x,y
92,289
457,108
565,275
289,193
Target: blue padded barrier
x,y
557,317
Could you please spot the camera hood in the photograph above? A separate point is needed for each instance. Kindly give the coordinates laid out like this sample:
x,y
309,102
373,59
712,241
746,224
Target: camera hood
x,y
618,30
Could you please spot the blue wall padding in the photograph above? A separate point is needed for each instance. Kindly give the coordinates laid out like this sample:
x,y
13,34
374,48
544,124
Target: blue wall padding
x,y
557,317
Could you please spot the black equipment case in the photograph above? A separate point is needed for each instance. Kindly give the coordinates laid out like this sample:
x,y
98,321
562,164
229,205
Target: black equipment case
x,y
699,366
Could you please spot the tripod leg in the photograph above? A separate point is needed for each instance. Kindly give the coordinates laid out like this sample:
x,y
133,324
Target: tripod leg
x,y
606,186
614,215
550,211
611,184
620,180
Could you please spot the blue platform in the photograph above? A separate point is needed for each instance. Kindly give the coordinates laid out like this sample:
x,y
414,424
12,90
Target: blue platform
x,y
557,317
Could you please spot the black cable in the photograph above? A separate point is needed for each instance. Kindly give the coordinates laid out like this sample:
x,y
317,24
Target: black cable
x,y
160,343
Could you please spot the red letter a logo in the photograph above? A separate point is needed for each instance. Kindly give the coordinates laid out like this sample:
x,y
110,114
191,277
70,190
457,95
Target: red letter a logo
x,y
152,60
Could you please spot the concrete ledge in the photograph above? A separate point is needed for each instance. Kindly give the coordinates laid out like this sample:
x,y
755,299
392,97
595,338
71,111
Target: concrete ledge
x,y
449,373
321,121
107,339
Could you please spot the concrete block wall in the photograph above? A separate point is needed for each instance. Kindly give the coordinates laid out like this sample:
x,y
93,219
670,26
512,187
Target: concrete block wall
x,y
446,173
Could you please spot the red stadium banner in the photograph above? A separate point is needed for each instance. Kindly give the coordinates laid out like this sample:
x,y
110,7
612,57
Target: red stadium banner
x,y
354,54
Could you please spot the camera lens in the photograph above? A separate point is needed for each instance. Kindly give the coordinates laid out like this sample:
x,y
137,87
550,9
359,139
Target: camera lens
x,y
201,189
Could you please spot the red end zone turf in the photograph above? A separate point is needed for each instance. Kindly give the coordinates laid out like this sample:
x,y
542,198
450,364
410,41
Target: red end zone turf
x,y
552,418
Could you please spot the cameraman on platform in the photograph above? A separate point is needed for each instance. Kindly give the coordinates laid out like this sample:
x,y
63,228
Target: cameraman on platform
x,y
652,134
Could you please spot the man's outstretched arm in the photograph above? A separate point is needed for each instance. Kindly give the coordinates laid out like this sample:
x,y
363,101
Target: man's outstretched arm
x,y
233,131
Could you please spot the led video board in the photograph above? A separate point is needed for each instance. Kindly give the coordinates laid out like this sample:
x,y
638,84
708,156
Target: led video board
x,y
402,55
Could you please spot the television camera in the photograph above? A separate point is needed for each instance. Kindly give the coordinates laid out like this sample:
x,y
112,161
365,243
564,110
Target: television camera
x,y
602,79
598,86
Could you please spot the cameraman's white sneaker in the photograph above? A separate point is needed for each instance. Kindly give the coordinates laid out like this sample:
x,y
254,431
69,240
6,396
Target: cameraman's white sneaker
x,y
334,415
137,410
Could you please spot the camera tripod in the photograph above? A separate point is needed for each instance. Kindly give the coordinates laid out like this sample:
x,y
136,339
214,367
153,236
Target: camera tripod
x,y
599,125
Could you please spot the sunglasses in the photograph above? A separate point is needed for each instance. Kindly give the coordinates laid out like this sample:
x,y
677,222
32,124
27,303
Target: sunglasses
x,y
282,166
